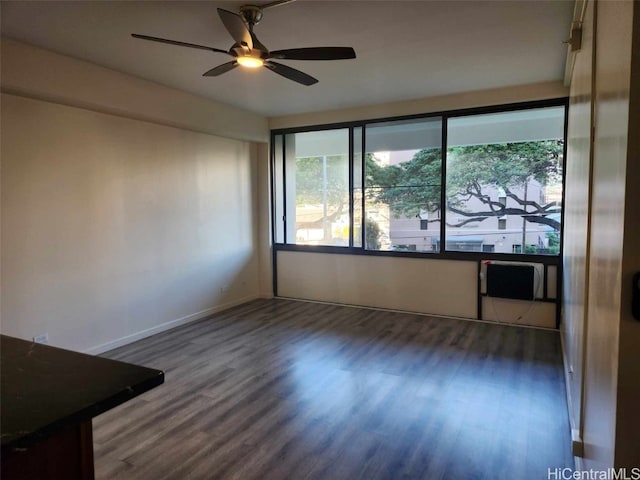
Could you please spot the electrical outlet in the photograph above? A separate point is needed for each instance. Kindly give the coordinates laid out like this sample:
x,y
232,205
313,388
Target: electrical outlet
x,y
42,338
224,288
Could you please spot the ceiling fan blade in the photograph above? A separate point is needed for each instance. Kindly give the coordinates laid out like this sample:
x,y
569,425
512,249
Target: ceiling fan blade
x,y
220,69
180,44
291,73
276,3
315,53
236,27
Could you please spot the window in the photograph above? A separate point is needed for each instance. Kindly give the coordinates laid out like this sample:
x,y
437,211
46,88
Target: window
x,y
277,182
358,198
316,192
506,169
403,170
379,186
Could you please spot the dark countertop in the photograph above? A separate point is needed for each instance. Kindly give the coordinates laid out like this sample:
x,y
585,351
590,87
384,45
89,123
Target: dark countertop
x,y
45,389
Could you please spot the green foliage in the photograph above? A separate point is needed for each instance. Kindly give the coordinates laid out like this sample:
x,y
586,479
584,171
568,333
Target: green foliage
x,y
310,176
501,165
554,242
409,187
412,187
371,234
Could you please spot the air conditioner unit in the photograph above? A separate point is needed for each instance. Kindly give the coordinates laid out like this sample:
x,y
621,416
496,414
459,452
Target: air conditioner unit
x,y
511,281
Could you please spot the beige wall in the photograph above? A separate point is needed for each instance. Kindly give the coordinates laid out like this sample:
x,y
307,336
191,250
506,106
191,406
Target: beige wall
x,y
627,411
576,222
601,320
481,98
263,211
38,73
440,287
534,314
127,208
114,228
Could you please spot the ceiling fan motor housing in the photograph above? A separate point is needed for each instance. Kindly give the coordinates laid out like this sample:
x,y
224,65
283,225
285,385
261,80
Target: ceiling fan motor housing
x,y
252,14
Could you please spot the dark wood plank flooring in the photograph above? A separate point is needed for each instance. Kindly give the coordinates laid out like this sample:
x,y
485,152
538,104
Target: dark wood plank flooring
x,y
279,389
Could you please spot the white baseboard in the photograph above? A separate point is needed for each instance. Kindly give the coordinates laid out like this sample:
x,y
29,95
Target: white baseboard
x,y
167,326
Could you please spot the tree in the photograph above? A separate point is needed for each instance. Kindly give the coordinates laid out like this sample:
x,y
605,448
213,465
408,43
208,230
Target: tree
x,y
317,181
413,187
371,234
322,181
554,242
409,187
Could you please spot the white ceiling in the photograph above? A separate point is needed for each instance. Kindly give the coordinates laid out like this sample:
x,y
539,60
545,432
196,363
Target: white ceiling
x,y
405,49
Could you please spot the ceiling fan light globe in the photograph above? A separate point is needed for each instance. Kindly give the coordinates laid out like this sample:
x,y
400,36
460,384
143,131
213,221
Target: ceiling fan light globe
x,y
250,62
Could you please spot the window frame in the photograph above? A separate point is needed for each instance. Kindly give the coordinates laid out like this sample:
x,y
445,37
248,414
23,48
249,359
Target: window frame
x,y
349,185
441,227
443,253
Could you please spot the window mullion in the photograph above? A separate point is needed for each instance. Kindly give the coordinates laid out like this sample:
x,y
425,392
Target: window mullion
x,y
443,186
363,155
351,196
284,189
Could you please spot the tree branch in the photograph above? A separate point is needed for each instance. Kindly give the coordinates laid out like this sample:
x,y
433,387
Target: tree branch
x,y
550,205
486,199
525,203
459,224
543,220
510,211
490,213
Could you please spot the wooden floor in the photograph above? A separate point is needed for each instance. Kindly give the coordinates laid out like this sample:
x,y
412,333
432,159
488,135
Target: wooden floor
x,y
278,389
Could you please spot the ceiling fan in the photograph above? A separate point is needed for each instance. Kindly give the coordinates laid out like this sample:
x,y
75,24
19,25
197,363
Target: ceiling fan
x,y
249,52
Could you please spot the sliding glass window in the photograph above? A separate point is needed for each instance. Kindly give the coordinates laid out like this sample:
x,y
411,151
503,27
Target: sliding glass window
x,y
358,195
317,187
403,170
504,182
380,186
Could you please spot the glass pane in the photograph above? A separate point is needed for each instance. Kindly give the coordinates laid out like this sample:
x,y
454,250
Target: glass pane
x,y
317,169
403,165
504,182
386,231
357,187
278,189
